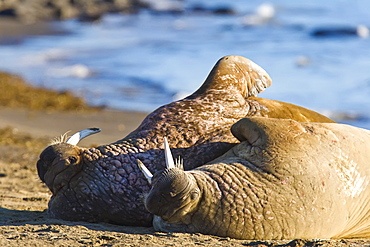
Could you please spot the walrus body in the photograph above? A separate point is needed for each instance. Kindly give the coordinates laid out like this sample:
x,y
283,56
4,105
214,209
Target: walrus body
x,y
104,183
285,180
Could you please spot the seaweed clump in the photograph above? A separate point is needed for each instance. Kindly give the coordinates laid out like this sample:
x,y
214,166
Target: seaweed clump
x,y
18,94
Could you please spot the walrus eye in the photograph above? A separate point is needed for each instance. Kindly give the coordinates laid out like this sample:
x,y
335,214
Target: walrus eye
x,y
72,160
194,195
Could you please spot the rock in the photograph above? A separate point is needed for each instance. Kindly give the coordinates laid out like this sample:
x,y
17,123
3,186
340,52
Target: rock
x,y
35,10
336,32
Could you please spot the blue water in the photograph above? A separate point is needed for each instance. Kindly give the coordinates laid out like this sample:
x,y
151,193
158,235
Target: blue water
x,y
139,62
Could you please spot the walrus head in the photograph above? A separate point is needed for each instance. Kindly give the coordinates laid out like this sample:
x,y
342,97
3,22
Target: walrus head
x,y
174,193
61,159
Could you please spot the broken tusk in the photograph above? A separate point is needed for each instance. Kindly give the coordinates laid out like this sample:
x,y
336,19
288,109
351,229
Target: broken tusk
x,y
74,139
145,171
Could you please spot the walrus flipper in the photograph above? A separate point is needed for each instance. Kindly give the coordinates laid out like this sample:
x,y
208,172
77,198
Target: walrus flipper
x,y
236,73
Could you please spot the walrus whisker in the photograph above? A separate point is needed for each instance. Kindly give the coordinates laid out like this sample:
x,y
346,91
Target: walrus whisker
x,y
179,163
74,139
148,175
59,139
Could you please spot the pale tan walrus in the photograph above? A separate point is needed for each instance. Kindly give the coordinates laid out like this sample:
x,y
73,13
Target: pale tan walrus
x,y
285,180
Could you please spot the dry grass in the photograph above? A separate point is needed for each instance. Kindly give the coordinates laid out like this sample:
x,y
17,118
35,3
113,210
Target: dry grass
x,y
12,137
17,93
19,147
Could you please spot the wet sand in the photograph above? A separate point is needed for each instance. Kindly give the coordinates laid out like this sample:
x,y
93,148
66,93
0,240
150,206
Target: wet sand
x,y
24,133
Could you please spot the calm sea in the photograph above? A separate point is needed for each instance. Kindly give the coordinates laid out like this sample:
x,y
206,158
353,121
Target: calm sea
x,y
142,61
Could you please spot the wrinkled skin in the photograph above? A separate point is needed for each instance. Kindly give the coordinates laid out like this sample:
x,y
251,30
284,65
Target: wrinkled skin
x,y
105,184
285,180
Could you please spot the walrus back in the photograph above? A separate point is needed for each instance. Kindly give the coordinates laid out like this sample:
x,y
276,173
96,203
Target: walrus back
x,y
279,109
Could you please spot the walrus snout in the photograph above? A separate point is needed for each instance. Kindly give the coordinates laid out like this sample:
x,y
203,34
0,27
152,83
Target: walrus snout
x,y
59,160
55,160
173,195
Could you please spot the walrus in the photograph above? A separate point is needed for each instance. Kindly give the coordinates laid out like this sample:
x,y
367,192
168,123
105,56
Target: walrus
x,y
285,180
105,184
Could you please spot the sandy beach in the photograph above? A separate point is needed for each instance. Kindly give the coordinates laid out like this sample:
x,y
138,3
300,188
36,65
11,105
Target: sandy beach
x,y
29,119
26,130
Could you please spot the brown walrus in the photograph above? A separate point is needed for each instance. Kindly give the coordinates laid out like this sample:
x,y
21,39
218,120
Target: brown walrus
x,y
285,180
104,183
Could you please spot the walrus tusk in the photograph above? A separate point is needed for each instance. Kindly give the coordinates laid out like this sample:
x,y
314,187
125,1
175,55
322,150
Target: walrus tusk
x,y
145,171
74,139
167,152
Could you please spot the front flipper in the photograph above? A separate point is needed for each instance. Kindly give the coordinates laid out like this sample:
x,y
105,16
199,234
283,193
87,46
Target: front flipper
x,y
264,140
259,131
160,225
